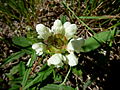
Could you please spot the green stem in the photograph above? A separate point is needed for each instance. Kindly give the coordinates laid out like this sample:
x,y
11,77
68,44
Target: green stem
x,y
66,77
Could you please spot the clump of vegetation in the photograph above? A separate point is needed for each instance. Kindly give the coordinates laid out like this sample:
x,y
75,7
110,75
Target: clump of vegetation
x,y
82,55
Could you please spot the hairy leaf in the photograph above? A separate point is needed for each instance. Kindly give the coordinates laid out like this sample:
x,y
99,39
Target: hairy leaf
x,y
41,76
21,41
97,40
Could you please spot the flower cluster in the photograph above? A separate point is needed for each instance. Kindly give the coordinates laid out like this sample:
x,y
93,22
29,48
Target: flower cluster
x,y
60,40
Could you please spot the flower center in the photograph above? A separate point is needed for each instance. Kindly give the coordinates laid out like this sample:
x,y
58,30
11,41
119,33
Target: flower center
x,y
57,43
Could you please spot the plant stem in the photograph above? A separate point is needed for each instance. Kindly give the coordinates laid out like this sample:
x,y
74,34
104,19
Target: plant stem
x,y
66,77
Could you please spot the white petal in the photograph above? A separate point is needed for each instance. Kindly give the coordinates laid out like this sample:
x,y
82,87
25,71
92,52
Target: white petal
x,y
70,31
39,48
39,51
72,59
57,27
57,23
75,45
56,60
59,65
28,62
44,32
35,46
40,27
66,24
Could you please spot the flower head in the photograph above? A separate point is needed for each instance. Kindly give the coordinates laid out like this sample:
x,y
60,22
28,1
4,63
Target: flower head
x,y
60,42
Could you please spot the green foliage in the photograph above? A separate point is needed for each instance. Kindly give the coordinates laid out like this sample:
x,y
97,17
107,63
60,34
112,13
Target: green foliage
x,y
63,19
57,78
32,59
13,57
25,77
19,71
17,8
97,40
15,87
56,87
77,72
39,78
21,41
94,17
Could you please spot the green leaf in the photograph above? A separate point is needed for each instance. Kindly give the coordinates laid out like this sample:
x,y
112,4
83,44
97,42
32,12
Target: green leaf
x,y
25,77
57,78
41,76
76,71
14,70
21,41
97,40
63,19
21,68
15,83
15,87
13,57
28,50
56,87
32,59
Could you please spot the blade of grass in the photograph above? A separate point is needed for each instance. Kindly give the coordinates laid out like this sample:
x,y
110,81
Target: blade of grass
x,y
13,57
21,68
25,77
4,10
98,17
115,25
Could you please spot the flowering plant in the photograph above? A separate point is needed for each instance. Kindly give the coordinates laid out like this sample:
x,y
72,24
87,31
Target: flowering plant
x,y
60,41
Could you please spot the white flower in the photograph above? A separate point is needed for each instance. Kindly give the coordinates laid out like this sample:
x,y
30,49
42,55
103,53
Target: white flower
x,y
72,59
44,32
70,30
75,45
58,28
56,60
60,35
39,48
